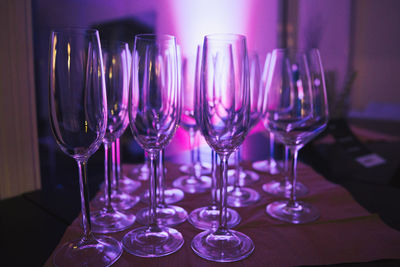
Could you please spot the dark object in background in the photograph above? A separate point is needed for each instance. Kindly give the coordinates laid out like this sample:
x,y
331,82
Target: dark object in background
x,y
348,158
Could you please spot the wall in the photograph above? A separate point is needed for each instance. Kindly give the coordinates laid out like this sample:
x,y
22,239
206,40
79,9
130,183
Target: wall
x,y
377,59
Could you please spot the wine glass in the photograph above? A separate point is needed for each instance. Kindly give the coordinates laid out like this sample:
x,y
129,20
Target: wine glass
x,y
224,111
115,60
208,217
276,187
167,195
269,165
296,112
78,118
283,186
194,182
167,215
154,113
239,195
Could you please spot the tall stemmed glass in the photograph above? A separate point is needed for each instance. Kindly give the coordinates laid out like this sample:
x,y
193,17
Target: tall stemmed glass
x,y
154,113
283,186
296,112
194,182
78,118
207,217
277,187
269,165
116,60
241,196
224,112
167,215
107,219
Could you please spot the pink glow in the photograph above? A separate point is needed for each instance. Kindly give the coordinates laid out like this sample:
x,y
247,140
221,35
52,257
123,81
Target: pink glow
x,y
191,20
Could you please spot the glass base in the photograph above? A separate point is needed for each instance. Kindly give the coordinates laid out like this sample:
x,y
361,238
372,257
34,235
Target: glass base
x,y
100,251
300,213
191,185
171,195
205,168
269,166
155,241
206,218
242,197
119,201
167,215
222,246
110,221
246,177
282,188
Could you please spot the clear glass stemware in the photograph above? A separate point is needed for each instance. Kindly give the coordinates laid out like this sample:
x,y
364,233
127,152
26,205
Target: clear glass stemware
x,y
223,112
296,112
78,118
195,181
167,215
115,60
154,113
240,195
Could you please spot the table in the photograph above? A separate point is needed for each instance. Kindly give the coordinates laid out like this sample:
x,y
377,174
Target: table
x,y
345,232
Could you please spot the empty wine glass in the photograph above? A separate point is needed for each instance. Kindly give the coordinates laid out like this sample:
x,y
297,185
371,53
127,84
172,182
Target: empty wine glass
x,y
194,182
154,113
167,215
78,118
296,112
276,187
224,111
239,195
207,217
269,165
115,60
283,187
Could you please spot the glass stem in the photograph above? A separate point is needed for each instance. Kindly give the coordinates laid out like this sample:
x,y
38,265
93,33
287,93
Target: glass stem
x,y
193,170
213,178
286,165
238,170
223,195
117,163
108,173
293,151
197,147
161,196
153,188
85,208
271,149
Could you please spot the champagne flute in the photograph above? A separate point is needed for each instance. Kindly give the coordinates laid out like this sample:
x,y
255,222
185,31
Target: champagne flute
x,y
296,112
208,217
167,215
269,165
115,60
224,111
195,181
78,118
154,113
239,195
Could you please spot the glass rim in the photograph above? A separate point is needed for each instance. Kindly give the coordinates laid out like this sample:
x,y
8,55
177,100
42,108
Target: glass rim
x,y
153,36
